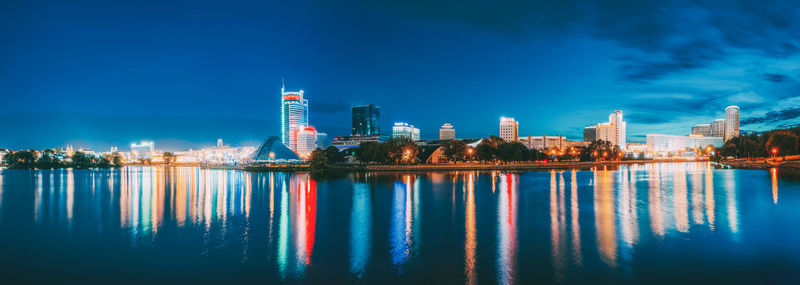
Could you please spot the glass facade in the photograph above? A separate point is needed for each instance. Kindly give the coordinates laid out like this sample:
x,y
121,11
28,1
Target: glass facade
x,y
294,116
366,120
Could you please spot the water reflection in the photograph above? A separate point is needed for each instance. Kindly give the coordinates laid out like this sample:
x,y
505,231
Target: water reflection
x,y
506,228
272,217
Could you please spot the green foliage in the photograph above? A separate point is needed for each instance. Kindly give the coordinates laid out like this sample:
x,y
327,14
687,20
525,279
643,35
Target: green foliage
x,y
600,151
334,155
23,159
318,161
169,157
81,161
455,150
488,148
369,152
48,160
512,151
782,143
400,151
116,160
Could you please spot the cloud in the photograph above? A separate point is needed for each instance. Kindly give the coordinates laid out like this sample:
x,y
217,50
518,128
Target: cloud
x,y
775,78
773,117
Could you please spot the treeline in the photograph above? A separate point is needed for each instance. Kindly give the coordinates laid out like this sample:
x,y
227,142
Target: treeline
x,y
51,159
781,142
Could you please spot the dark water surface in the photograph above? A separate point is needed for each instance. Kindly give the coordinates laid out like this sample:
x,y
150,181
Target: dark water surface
x,y
654,223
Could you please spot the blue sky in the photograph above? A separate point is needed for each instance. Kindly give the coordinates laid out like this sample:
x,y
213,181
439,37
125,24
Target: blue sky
x,y
183,73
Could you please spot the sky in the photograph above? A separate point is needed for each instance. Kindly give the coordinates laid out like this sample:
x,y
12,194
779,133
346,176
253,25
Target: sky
x,y
96,74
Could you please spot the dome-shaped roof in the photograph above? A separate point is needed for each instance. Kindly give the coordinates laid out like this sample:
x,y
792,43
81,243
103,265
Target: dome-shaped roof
x,y
274,150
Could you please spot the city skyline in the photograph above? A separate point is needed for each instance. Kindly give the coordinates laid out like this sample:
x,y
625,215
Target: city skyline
x,y
180,79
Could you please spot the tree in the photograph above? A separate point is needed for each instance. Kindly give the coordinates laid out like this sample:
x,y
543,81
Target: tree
x,y
22,159
81,161
169,157
103,163
512,151
454,150
600,150
400,150
116,160
48,160
333,155
487,149
782,143
369,152
318,161
749,147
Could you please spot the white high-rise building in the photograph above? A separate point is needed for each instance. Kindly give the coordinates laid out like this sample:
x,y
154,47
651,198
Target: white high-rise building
x,y
509,129
306,140
404,130
447,132
143,150
619,136
294,116
718,128
731,122
702,130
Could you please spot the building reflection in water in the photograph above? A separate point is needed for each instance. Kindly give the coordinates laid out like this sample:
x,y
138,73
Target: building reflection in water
x,y
507,228
709,204
654,201
605,215
680,201
577,254
774,177
360,229
557,222
470,232
404,236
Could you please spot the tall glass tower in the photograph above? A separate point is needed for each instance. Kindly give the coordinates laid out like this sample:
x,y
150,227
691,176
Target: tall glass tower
x,y
294,116
366,120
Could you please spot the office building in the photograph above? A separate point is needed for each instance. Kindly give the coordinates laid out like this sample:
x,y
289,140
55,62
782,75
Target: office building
x,y
543,142
590,133
447,132
509,129
401,129
294,116
702,130
143,150
366,120
306,139
718,128
620,126
731,122
322,140
345,142
659,144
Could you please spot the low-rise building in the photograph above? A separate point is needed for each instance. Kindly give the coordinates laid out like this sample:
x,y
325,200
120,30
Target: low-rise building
x,y
660,144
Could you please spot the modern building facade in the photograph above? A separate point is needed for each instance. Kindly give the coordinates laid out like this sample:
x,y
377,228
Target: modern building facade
x,y
294,116
272,150
322,140
659,144
306,139
702,130
615,131
447,132
366,120
143,150
590,133
718,128
401,130
509,129
731,122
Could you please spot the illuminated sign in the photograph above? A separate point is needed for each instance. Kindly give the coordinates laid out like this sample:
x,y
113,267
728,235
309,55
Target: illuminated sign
x,y
291,97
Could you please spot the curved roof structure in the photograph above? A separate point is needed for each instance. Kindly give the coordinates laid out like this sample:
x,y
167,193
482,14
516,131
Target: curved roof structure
x,y
273,150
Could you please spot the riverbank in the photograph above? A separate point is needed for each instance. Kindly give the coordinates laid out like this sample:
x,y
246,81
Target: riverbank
x,y
790,164
457,167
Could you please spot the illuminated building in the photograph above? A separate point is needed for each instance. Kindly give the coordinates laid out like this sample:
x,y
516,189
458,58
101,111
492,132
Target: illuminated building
x,y
718,128
306,140
294,116
366,120
447,132
614,131
143,150
322,140
543,142
345,142
272,150
404,130
702,130
662,144
509,129
590,133
731,122
218,154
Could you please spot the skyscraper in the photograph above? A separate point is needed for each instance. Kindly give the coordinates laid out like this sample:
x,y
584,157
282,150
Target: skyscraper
x,y
718,128
509,129
447,132
731,122
590,133
366,120
294,116
306,141
620,135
